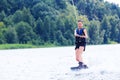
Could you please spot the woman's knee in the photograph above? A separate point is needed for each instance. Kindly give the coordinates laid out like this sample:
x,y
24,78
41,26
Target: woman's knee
x,y
78,56
77,59
81,49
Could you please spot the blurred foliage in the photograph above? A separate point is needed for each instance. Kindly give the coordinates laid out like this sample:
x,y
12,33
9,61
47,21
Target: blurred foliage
x,y
47,22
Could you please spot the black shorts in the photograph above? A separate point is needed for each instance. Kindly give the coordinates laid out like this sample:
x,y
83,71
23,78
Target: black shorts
x,y
83,44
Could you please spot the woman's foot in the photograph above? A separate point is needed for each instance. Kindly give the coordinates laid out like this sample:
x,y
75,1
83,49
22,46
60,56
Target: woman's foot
x,y
84,66
80,66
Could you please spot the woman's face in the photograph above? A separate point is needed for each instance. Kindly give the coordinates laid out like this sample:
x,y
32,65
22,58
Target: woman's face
x,y
80,24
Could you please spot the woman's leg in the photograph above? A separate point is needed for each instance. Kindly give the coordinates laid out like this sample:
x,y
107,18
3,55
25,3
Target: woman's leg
x,y
79,52
76,54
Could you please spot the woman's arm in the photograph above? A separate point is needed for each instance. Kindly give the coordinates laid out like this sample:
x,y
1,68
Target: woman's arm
x,y
76,35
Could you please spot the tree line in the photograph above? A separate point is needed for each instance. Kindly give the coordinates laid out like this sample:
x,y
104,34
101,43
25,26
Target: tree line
x,y
41,22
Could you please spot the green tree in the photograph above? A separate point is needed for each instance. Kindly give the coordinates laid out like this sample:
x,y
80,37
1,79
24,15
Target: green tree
x,y
81,5
25,32
118,26
2,15
8,21
47,28
39,28
105,25
60,39
69,30
10,35
95,34
61,3
114,21
43,9
2,38
23,15
3,5
53,21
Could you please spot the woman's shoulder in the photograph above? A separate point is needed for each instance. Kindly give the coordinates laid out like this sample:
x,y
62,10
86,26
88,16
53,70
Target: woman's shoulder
x,y
84,29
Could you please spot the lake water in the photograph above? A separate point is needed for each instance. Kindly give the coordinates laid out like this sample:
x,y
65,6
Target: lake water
x,y
55,63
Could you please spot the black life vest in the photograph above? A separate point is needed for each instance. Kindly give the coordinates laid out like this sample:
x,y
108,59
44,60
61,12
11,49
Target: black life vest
x,y
81,33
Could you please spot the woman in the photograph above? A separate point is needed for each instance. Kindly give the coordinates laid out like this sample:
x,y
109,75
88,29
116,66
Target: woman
x,y
80,41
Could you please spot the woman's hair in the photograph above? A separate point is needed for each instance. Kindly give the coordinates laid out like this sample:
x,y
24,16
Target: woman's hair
x,y
80,21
